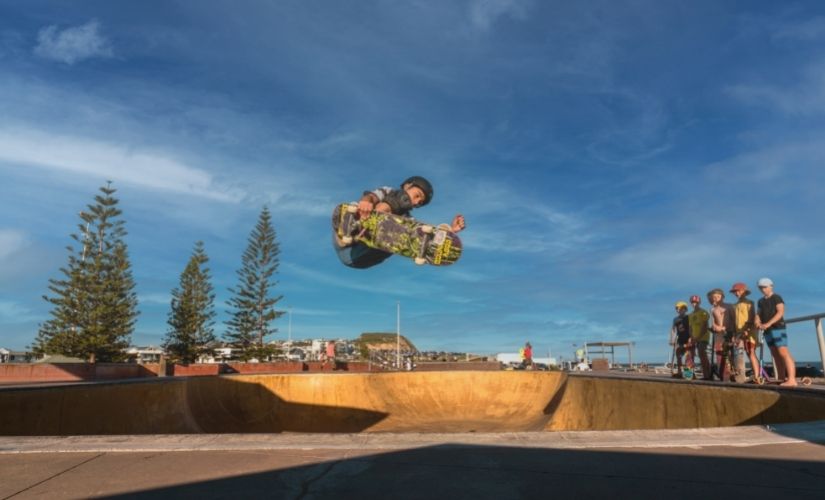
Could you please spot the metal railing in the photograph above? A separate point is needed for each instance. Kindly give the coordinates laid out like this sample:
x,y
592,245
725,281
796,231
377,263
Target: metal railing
x,y
817,319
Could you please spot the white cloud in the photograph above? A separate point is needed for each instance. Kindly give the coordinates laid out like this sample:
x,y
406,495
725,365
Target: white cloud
x,y
72,45
155,298
484,13
796,163
104,161
497,223
722,257
11,241
807,31
336,282
807,97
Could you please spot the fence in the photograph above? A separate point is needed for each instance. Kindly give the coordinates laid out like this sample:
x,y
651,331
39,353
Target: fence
x,y
817,319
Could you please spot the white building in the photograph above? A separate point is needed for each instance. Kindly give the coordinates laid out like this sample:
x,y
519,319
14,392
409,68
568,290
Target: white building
x,y
9,356
149,354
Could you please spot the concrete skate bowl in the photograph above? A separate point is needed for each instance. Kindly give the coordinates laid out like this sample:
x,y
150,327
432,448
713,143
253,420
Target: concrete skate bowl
x,y
442,402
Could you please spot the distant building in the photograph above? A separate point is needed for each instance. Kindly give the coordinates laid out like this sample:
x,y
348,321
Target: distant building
x,y
9,356
141,355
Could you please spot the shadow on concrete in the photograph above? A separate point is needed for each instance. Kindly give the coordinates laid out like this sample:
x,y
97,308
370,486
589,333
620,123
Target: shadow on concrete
x,y
225,405
461,471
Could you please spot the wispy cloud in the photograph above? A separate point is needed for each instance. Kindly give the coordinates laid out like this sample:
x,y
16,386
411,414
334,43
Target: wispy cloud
x,y
806,97
155,298
74,44
499,223
101,160
343,283
485,13
680,260
11,242
808,30
15,313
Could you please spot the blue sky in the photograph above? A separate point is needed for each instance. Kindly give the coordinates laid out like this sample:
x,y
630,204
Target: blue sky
x,y
610,157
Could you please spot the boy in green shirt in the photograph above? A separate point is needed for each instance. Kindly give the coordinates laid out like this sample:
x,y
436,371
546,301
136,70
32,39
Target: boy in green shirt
x,y
700,335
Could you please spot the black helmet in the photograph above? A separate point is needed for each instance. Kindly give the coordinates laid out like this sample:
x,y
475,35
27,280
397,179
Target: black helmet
x,y
422,183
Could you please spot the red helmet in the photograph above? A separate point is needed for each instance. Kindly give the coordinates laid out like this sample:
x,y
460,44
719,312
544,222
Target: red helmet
x,y
695,299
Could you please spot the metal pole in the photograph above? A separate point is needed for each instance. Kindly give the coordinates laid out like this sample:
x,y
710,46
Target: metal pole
x,y
398,336
821,339
289,341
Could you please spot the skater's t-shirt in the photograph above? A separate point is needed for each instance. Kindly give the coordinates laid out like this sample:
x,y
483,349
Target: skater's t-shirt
x,y
681,325
698,320
767,310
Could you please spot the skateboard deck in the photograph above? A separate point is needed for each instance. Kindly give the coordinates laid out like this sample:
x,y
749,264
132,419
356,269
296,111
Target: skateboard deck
x,y
405,236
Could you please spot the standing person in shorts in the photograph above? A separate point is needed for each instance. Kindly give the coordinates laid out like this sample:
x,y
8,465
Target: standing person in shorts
x,y
746,332
723,327
681,331
700,335
771,318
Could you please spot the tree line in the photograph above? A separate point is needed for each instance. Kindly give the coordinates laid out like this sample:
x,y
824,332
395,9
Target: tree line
x,y
94,304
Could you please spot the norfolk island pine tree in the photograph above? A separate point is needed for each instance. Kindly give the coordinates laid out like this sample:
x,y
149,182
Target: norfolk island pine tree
x,y
191,318
94,306
252,304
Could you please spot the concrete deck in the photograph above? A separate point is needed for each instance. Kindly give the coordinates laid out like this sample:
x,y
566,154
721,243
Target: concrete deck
x,y
742,462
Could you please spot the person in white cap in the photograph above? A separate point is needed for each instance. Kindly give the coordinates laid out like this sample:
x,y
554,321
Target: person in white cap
x,y
771,318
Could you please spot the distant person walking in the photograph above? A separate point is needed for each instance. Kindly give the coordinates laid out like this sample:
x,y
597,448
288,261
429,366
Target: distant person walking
x,y
527,355
771,318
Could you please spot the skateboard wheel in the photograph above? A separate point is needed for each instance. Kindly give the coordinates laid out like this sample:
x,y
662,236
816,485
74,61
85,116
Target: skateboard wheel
x,y
346,240
806,381
426,229
420,261
352,208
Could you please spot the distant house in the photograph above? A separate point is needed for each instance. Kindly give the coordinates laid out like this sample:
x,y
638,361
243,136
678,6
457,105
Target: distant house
x,y
141,355
9,356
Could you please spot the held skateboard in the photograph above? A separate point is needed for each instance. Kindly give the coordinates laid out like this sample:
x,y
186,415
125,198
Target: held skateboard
x,y
424,243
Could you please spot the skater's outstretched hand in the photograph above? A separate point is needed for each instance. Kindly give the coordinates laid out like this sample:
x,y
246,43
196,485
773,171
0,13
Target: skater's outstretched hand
x,y
365,208
458,223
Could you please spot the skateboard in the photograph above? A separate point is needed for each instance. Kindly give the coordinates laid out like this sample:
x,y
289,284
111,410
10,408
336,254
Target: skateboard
x,y
405,236
687,373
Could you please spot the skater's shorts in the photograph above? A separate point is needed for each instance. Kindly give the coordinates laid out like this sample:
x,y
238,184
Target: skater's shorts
x,y
701,345
776,337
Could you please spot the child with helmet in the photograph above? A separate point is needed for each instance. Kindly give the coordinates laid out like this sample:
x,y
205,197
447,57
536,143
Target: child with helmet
x,y
414,192
700,335
680,332
746,333
723,326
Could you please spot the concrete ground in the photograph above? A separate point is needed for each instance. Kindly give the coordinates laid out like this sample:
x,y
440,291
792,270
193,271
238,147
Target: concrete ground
x,y
736,462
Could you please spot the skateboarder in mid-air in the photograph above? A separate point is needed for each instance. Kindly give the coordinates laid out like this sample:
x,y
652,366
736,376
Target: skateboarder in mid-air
x,y
414,192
